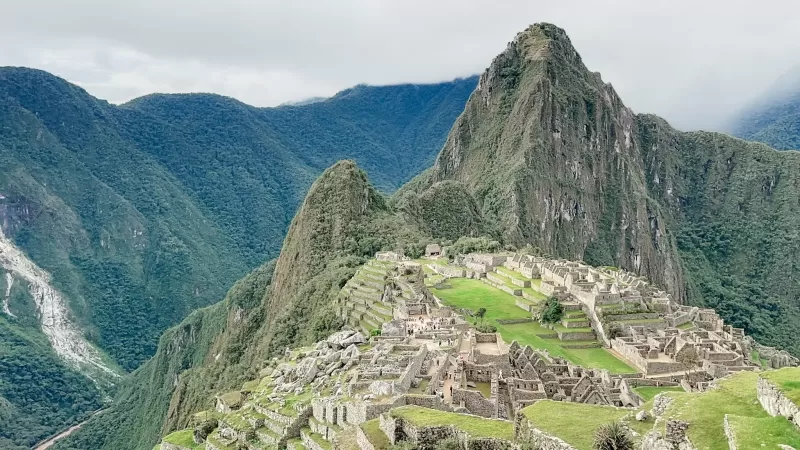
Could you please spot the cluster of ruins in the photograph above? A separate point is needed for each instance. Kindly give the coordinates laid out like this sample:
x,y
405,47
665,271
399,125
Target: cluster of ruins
x,y
403,346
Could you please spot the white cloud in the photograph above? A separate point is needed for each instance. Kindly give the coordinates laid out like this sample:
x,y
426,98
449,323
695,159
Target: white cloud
x,y
692,62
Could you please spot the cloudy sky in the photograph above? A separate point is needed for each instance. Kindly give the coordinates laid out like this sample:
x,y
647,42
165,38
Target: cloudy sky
x,y
693,62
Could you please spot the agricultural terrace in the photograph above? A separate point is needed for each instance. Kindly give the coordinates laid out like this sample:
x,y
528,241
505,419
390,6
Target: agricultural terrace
x,y
736,397
473,294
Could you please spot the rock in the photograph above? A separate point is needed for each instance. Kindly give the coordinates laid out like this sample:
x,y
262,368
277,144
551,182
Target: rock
x,y
333,356
320,345
660,404
351,352
335,341
381,387
394,328
356,339
642,415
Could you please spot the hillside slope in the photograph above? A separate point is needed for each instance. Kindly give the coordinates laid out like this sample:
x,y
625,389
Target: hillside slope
x,y
138,214
545,154
553,158
342,222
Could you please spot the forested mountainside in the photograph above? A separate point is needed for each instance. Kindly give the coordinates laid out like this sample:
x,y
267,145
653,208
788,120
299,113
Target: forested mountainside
x,y
545,154
553,158
774,118
135,215
341,223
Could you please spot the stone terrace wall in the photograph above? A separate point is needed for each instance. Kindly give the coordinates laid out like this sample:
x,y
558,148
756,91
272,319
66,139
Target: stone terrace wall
x,y
525,432
475,402
775,403
404,382
427,438
362,440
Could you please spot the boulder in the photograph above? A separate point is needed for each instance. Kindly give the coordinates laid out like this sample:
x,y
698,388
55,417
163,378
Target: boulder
x,y
381,387
642,415
351,352
393,328
354,339
336,340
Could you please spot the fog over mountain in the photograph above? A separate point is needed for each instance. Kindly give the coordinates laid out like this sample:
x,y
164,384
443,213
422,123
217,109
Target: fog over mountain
x,y
693,63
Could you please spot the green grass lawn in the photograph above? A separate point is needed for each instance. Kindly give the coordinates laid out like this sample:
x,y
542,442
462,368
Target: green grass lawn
x,y
764,432
477,427
474,294
374,434
706,411
787,380
184,438
649,392
575,423
686,326
484,388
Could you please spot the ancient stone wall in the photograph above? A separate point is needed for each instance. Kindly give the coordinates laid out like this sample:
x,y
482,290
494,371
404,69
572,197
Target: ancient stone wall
x,y
362,440
729,434
475,402
404,382
775,403
524,431
389,427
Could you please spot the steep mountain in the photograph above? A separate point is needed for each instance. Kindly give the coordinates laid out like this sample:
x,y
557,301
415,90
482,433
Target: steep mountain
x,y
342,222
774,118
129,217
545,154
553,158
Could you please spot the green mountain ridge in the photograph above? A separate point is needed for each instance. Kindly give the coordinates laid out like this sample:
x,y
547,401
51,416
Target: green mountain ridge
x,y
545,154
553,158
143,212
774,118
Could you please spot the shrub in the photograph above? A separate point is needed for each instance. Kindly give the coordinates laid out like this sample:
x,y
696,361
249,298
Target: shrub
x,y
613,330
375,332
613,436
552,311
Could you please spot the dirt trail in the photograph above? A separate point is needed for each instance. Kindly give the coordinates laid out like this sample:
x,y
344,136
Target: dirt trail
x,y
48,443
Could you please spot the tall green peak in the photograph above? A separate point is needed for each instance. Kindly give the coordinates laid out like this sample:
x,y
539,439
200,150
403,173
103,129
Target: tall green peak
x,y
553,158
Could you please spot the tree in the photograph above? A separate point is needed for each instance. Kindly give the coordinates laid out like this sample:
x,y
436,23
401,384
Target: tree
x,y
481,312
552,312
613,436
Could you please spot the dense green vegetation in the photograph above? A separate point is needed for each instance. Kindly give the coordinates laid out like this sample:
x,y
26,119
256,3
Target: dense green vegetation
x,y
38,393
146,211
341,223
711,218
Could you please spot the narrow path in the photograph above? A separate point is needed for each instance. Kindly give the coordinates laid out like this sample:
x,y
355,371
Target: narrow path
x,y
48,443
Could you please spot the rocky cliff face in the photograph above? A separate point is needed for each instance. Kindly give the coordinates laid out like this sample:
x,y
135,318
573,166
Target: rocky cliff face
x,y
553,158
551,154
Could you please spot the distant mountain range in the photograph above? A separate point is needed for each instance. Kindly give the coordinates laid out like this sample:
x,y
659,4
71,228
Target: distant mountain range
x,y
774,118
545,157
130,217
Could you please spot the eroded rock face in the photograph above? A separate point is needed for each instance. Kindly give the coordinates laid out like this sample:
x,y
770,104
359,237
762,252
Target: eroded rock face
x,y
54,315
775,402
